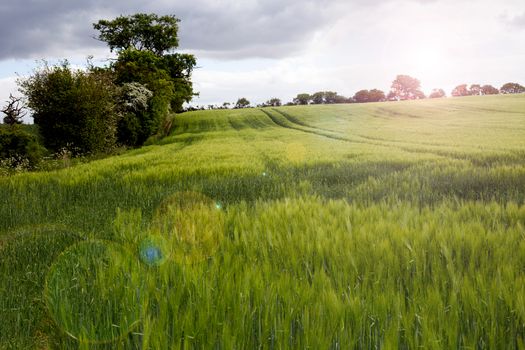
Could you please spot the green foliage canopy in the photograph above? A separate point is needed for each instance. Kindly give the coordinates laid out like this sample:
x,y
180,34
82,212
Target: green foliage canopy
x,y
73,109
140,31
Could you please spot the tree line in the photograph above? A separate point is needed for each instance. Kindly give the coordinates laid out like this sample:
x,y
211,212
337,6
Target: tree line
x,y
404,87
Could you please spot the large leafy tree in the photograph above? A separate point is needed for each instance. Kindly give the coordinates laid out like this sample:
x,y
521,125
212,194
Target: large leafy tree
x,y
405,87
141,31
145,45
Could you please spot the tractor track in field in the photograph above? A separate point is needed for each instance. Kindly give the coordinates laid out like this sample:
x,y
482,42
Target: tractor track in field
x,y
315,132
299,126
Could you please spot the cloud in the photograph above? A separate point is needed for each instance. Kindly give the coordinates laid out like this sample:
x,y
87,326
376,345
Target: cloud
x,y
518,21
221,29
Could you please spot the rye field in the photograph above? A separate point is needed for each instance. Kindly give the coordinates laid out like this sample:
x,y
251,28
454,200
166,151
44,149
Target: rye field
x,y
366,226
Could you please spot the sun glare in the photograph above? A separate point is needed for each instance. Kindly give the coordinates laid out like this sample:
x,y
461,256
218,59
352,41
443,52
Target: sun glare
x,y
429,64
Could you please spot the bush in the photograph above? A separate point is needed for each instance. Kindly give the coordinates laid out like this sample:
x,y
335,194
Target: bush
x,y
19,148
73,109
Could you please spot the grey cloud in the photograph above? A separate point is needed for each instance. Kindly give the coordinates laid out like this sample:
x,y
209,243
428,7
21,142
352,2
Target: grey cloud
x,y
242,28
519,20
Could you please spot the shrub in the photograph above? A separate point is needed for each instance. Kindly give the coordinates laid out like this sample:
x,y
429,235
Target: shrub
x,y
19,148
73,108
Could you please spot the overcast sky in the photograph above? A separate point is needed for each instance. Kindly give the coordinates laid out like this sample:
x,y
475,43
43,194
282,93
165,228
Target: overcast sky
x,y
274,48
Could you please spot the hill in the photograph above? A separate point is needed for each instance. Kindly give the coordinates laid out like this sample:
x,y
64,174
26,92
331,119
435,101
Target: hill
x,y
335,226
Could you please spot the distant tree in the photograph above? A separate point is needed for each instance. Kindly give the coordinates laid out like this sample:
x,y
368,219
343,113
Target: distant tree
x,y
460,90
302,99
318,98
475,90
14,111
437,93
290,104
226,105
512,88
405,87
392,96
273,102
330,97
373,95
340,99
362,96
242,103
376,95
489,90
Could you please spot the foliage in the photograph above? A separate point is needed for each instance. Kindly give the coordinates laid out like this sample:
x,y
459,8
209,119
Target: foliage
x,y
460,90
273,102
437,93
512,88
475,90
143,43
405,87
73,109
302,99
489,90
134,103
373,95
140,31
242,103
18,147
325,97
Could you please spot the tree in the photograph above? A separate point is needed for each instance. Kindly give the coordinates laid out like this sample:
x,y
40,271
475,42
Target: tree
x,y
140,31
405,87
144,43
475,90
362,96
330,97
437,93
373,95
73,109
242,103
489,90
14,111
460,90
302,99
512,88
376,95
318,98
273,102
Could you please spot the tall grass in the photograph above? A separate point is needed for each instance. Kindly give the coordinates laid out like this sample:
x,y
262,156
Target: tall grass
x,y
398,225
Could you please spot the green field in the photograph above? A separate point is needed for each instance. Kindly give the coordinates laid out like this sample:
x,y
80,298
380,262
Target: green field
x,y
388,225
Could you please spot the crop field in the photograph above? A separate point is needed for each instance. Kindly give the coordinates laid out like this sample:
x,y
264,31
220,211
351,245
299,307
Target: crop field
x,y
366,226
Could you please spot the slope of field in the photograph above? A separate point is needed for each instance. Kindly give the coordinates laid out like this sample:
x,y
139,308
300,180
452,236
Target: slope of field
x,y
396,225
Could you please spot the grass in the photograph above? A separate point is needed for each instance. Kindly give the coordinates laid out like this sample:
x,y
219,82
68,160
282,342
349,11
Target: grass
x,y
389,225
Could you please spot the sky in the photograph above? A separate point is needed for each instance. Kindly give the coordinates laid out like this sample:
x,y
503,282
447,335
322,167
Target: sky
x,y
277,48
